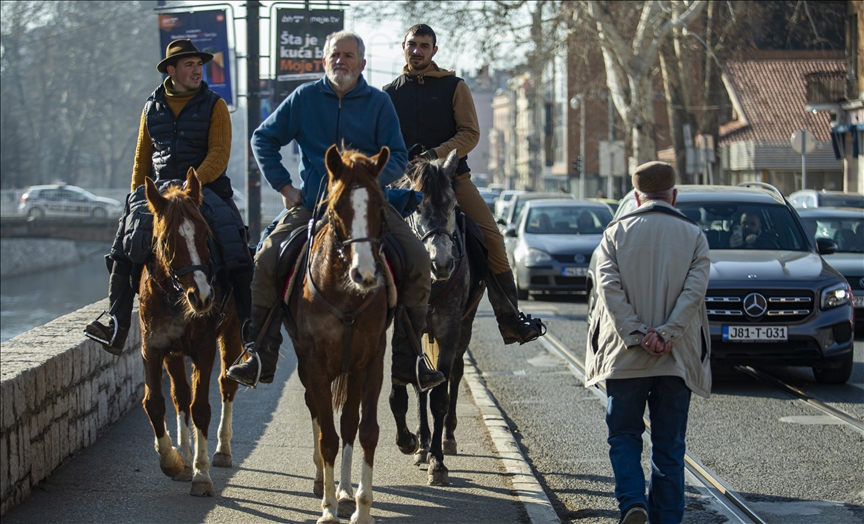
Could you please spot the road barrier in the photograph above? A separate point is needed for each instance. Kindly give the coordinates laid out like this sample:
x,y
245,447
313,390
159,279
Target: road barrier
x,y
59,390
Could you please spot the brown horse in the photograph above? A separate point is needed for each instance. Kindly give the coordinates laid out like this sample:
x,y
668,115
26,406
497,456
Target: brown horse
x,y
184,314
337,319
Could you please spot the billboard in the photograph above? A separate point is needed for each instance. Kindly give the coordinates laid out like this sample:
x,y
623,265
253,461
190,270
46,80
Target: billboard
x,y
208,30
300,37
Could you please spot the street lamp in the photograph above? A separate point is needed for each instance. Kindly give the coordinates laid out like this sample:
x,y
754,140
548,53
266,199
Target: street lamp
x,y
578,102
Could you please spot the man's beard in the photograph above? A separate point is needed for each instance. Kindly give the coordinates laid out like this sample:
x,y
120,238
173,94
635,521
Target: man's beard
x,y
342,80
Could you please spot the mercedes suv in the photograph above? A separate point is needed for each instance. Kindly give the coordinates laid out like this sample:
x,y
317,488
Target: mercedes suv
x,y
772,300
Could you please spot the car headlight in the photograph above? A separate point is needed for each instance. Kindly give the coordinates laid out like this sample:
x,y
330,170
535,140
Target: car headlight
x,y
836,295
536,257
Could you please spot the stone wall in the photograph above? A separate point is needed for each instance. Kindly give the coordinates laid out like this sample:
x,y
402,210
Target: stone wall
x,y
58,390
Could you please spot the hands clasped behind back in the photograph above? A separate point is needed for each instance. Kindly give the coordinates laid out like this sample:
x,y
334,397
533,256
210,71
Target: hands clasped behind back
x,y
654,344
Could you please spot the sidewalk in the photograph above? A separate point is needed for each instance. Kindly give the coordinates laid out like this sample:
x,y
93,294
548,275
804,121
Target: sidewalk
x,y
117,480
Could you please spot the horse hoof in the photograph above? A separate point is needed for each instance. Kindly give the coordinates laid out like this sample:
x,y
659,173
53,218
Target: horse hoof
x,y
421,457
346,507
328,519
175,469
318,489
410,447
222,460
184,476
449,447
202,489
439,478
356,520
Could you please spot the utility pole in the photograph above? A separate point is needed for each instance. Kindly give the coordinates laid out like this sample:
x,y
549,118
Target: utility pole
x,y
253,118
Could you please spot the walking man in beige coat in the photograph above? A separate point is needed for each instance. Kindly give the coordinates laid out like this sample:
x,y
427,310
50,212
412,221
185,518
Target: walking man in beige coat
x,y
648,339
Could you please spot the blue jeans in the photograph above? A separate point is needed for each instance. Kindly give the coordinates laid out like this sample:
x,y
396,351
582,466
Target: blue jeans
x,y
668,400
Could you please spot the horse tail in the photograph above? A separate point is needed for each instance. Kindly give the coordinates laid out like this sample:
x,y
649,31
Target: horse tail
x,y
339,390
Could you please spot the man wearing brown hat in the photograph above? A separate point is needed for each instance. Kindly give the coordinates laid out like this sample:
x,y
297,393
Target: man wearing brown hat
x,y
649,341
184,124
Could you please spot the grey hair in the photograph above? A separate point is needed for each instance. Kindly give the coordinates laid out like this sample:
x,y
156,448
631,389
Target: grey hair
x,y
666,196
332,38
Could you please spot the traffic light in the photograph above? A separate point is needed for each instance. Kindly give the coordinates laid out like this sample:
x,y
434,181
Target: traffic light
x,y
577,165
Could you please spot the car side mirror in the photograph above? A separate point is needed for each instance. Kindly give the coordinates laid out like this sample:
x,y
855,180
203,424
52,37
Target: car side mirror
x,y
826,246
510,232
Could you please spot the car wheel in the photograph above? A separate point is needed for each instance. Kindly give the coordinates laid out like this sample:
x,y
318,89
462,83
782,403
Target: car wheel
x,y
839,375
36,212
99,212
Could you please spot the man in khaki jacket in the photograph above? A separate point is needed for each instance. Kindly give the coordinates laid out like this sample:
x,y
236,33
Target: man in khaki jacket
x,y
648,339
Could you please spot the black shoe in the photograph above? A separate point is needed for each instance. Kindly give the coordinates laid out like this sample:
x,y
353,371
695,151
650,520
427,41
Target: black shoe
x,y
635,514
112,337
261,364
417,373
521,329
259,367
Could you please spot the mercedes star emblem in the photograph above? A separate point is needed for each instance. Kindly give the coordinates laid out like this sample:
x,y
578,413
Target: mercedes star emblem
x,y
755,305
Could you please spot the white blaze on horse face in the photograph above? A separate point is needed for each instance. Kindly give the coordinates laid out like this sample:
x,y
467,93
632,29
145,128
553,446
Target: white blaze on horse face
x,y
187,230
362,260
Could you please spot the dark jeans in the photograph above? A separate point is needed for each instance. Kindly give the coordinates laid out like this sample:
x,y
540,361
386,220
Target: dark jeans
x,y
668,400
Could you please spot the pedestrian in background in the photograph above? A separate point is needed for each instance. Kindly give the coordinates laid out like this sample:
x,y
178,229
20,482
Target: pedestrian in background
x,y
436,112
648,339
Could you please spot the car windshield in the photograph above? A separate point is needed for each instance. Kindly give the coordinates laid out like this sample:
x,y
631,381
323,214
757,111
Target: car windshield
x,y
731,225
567,220
847,232
841,201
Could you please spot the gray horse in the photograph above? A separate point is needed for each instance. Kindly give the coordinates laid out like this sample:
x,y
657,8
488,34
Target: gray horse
x,y
457,287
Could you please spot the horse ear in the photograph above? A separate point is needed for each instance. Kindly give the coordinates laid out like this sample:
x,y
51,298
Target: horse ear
x,y
333,161
381,159
450,163
155,200
193,186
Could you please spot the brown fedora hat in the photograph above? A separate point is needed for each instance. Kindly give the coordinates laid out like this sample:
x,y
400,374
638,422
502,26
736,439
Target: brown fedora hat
x,y
177,50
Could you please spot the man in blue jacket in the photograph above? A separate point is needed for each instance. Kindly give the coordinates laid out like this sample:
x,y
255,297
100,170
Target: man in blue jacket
x,y
339,108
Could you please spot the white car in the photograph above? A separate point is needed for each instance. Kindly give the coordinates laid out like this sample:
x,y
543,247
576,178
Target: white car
x,y
503,201
66,201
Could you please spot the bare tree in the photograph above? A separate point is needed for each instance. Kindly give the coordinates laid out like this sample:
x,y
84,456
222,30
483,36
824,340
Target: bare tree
x,y
78,74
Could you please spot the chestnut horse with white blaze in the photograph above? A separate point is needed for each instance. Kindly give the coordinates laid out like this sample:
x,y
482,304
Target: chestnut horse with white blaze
x,y
185,313
337,317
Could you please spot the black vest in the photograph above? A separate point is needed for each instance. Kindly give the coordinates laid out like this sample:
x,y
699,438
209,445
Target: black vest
x,y
426,111
179,143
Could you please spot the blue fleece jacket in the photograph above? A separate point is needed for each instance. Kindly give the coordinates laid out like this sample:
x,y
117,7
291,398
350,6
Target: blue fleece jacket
x,y
316,118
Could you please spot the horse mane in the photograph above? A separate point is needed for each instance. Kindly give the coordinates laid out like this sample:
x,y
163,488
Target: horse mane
x,y
427,178
177,208
358,169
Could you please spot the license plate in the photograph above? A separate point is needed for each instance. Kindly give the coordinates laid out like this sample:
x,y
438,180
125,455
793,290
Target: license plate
x,y
858,301
754,333
574,271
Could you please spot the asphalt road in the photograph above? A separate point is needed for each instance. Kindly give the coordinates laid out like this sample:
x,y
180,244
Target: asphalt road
x,y
789,462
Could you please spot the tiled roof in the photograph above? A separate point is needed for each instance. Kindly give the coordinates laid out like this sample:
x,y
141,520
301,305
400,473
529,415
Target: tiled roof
x,y
773,95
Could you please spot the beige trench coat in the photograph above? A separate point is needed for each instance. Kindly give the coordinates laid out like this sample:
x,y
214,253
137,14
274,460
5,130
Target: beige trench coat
x,y
652,271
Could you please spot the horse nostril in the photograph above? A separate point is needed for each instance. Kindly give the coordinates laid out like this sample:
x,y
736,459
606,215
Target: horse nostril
x,y
193,299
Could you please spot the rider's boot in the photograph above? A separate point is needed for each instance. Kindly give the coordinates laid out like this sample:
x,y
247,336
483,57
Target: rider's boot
x,y
514,325
262,344
121,297
409,366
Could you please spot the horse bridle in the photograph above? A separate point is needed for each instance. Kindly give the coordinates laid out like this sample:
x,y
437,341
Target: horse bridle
x,y
342,244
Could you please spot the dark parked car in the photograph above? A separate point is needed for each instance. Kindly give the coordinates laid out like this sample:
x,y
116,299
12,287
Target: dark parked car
x,y
489,197
770,306
517,202
551,244
845,226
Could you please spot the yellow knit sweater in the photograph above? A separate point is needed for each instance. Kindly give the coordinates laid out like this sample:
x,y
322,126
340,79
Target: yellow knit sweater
x,y
218,142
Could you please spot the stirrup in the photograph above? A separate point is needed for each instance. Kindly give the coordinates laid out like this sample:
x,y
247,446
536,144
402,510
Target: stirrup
x,y
247,348
534,324
417,386
114,323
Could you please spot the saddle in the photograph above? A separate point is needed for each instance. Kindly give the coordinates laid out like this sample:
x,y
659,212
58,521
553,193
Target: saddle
x,y
293,260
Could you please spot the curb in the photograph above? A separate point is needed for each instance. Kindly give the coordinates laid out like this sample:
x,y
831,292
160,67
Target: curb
x,y
528,489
